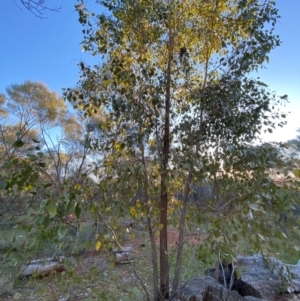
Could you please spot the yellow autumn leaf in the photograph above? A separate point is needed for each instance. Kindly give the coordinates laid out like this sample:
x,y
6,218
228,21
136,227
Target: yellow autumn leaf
x,y
161,226
77,186
133,212
98,245
117,145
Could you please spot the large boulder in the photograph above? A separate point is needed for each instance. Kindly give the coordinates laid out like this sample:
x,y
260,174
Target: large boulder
x,y
207,289
263,278
272,278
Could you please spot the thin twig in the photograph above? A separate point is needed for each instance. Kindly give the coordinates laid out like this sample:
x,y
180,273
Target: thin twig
x,y
38,7
222,268
129,260
232,275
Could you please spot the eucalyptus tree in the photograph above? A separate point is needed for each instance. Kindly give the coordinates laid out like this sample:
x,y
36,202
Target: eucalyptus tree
x,y
28,107
178,102
3,111
31,113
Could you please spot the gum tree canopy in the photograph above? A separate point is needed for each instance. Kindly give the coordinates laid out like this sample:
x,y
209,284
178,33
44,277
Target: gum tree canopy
x,y
181,109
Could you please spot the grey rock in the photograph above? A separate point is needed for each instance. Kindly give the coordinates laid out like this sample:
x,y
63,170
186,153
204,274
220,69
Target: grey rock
x,y
124,250
263,278
251,298
270,274
207,289
124,255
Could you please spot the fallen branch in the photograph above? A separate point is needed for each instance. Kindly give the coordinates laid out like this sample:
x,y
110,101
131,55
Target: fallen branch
x,y
42,267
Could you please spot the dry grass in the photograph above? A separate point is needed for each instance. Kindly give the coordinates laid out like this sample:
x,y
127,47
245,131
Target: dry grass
x,y
91,276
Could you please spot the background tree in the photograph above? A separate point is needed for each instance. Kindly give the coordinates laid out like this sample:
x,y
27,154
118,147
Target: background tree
x,y
69,153
292,154
27,106
3,111
178,104
38,129
30,106
32,120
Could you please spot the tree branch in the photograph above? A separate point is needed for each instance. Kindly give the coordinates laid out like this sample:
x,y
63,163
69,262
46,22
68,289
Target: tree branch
x,y
37,7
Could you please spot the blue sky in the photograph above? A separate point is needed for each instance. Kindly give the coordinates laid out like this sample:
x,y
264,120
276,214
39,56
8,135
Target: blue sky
x,y
49,50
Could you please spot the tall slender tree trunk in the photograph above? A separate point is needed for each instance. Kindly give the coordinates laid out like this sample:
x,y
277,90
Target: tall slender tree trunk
x,y
181,232
150,228
164,262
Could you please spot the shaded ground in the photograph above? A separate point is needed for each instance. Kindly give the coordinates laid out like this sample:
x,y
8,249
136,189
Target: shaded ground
x,y
92,276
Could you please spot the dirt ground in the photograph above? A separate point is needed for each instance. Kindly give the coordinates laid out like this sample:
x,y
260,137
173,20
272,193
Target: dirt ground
x,y
92,276
192,239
